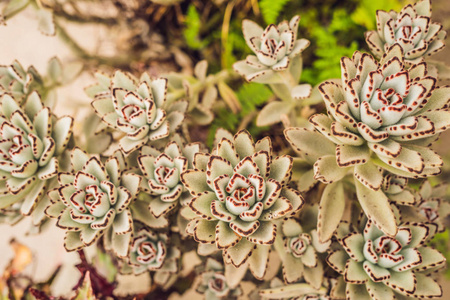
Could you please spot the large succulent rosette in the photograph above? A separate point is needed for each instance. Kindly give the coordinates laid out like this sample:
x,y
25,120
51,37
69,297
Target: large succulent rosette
x,y
276,49
137,108
161,172
377,266
411,28
93,201
385,114
382,117
32,139
240,191
152,251
213,283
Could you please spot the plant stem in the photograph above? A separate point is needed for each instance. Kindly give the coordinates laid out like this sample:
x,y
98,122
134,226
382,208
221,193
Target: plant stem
x,y
289,80
283,90
199,86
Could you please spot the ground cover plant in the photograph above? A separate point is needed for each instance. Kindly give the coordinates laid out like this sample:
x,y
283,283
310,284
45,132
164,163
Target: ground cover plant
x,y
225,159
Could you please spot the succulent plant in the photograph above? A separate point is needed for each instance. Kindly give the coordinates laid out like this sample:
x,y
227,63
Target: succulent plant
x,y
396,189
382,117
137,108
151,251
200,91
431,206
300,250
161,172
18,82
240,191
434,205
411,28
93,201
276,49
377,266
32,139
213,283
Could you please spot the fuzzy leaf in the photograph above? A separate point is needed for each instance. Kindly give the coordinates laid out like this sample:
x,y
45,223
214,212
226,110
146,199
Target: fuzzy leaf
x,y
259,260
272,112
46,24
332,205
377,208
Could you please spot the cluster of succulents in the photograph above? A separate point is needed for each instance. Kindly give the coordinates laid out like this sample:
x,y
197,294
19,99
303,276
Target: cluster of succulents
x,y
347,212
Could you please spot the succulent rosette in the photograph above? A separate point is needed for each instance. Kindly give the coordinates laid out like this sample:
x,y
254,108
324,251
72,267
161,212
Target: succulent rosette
x,y
382,117
93,201
276,49
384,114
411,28
301,247
431,206
18,82
396,189
137,108
151,251
377,266
161,172
32,139
213,283
240,191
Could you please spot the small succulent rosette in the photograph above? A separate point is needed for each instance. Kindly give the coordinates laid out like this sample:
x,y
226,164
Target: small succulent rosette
x,y
411,28
93,201
213,283
32,139
382,117
396,189
296,291
240,191
161,175
199,90
299,254
431,206
151,251
276,49
18,82
137,108
374,265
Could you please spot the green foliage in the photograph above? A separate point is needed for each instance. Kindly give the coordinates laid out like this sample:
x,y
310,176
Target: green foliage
x,y
271,9
365,13
252,95
441,243
329,49
192,30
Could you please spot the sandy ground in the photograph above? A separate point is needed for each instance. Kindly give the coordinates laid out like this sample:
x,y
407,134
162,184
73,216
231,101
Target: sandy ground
x,y
21,41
